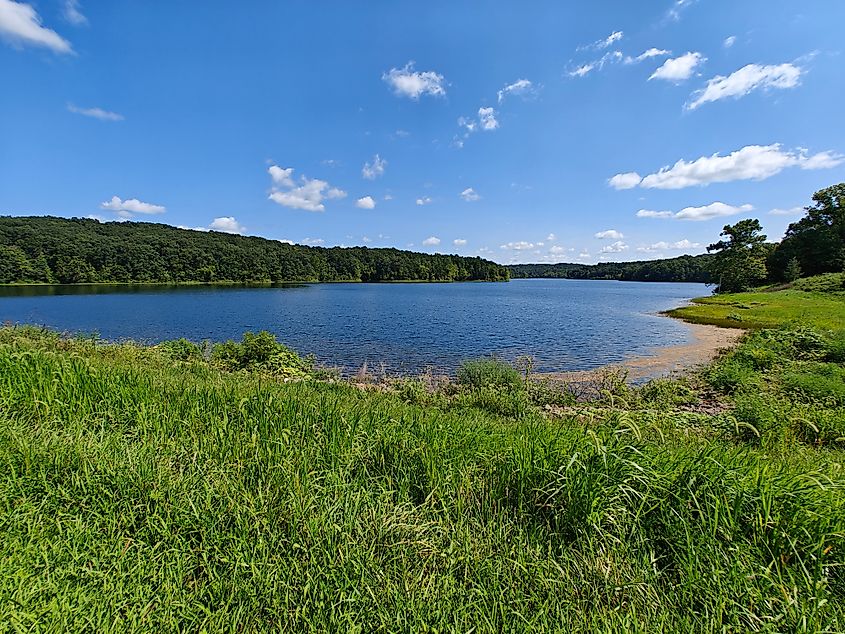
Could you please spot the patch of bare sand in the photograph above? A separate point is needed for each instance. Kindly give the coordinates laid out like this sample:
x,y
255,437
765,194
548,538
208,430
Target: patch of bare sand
x,y
707,343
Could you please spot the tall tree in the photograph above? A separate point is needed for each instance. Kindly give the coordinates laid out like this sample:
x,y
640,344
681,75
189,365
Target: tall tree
x,y
739,262
817,240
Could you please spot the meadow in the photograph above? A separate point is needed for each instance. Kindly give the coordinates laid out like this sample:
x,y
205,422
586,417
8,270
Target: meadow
x,y
238,488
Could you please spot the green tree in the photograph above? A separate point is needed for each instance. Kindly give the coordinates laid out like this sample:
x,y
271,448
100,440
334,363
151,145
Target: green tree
x,y
818,239
739,262
793,270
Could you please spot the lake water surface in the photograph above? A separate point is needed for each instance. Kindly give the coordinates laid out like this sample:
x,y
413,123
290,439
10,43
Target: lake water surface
x,y
564,324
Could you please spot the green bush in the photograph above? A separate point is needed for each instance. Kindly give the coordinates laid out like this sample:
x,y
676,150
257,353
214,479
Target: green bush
x,y
666,393
261,353
182,350
826,283
489,372
818,382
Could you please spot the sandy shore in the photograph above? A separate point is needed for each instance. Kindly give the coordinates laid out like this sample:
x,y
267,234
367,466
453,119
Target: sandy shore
x,y
707,342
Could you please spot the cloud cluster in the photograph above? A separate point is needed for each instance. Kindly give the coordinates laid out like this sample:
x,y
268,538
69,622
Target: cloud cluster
x,y
745,80
610,234
407,82
374,169
367,202
309,194
226,224
20,25
95,113
425,200
752,162
616,247
125,208
648,54
706,212
680,245
469,195
679,69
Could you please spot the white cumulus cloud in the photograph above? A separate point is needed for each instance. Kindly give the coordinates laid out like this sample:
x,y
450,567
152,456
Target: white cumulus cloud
x,y
407,82
20,25
487,119
309,194
648,54
616,247
459,242
752,162
374,168
96,113
628,180
131,206
367,202
226,224
431,241
610,234
745,80
680,68
521,245
729,41
425,200
469,195
713,210
680,245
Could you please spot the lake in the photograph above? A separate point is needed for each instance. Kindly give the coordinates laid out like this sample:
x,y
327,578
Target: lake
x,y
564,324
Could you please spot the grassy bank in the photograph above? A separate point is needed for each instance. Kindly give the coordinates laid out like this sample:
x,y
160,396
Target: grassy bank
x,y
177,489
818,301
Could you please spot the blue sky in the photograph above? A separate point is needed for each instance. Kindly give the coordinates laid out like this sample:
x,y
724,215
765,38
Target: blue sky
x,y
523,132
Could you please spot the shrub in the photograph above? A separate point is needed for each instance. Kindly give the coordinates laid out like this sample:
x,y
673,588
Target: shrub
x,y
489,372
826,283
181,350
261,353
819,382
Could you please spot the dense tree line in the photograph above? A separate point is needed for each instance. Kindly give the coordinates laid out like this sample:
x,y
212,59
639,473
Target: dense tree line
x,y
60,250
686,268
813,245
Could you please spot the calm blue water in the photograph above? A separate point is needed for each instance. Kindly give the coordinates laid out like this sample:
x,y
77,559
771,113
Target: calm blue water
x,y
564,324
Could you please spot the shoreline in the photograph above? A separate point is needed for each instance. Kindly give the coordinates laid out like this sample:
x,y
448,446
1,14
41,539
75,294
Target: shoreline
x,y
707,343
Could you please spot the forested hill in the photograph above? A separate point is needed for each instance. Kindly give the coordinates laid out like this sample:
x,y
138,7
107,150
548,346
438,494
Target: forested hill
x,y
686,268
49,249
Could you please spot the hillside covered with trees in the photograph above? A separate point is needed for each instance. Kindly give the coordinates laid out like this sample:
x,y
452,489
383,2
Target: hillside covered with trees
x,y
686,268
59,250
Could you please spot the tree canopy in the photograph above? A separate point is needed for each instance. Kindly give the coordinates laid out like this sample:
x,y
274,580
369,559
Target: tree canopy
x,y
739,262
76,250
816,241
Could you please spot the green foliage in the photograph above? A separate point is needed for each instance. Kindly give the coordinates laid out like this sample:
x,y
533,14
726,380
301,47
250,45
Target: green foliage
x,y
826,283
182,350
489,372
739,263
71,251
816,241
261,353
685,268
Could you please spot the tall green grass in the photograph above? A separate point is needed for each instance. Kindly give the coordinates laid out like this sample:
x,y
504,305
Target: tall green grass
x,y
139,492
